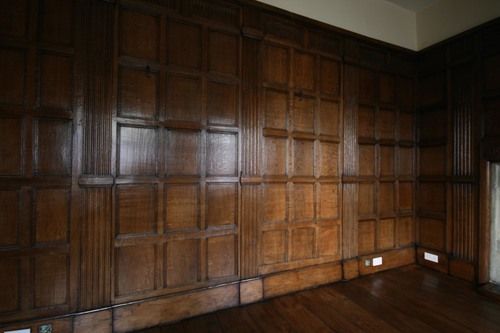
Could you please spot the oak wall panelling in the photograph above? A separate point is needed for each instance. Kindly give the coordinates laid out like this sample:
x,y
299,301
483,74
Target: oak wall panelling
x,y
186,156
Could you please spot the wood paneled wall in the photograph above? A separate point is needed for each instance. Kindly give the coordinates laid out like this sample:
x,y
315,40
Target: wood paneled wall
x,y
152,149
458,87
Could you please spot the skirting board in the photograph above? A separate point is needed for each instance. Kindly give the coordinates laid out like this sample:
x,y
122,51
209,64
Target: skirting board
x,y
170,308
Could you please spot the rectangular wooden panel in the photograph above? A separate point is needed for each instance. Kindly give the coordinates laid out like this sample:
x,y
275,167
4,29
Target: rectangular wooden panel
x,y
184,44
9,218
222,154
275,109
136,209
275,203
275,64
184,98
56,81
329,117
12,66
223,54
366,157
222,104
183,153
386,199
303,114
303,240
328,202
137,151
302,202
329,76
366,236
182,206
329,241
273,244
10,291
135,269
405,231
329,159
138,92
304,70
51,280
275,156
182,262
221,257
57,21
303,157
432,233
13,18
134,26
222,200
386,237
11,146
52,215
53,146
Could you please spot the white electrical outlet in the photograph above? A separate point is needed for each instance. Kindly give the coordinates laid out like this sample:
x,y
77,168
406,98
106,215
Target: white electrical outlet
x,y
431,257
377,261
368,262
24,330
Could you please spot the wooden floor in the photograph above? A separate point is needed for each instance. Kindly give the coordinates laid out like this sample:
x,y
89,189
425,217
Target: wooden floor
x,y
410,299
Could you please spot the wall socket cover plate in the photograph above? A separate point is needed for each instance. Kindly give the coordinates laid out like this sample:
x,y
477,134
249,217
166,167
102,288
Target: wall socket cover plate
x,y
378,261
431,257
24,330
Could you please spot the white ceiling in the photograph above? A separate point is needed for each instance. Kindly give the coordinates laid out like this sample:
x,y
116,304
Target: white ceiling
x,y
414,5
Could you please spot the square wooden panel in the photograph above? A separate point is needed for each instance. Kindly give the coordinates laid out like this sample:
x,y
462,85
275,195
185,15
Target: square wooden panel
x,y
134,27
222,104
182,262
12,65
184,44
386,122
405,229
303,114
136,209
302,202
50,280
367,85
135,269
329,241
366,237
432,197
223,53
433,161
385,239
303,158
273,245
303,242
137,151
405,196
386,199
329,201
222,154
53,146
406,123
13,18
386,160
275,203
56,81
138,93
366,122
433,125
387,88
276,108
276,64
182,155
432,233
57,21
52,215
406,161
366,160
329,77
329,118
366,200
275,156
11,146
304,70
329,159
182,206
221,257
10,277
183,98
9,218
432,89
222,202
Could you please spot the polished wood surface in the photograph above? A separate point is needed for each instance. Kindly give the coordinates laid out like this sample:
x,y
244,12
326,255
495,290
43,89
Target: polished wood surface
x,y
409,299
152,150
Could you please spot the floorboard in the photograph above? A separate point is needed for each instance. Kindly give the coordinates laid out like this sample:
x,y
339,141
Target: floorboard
x,y
408,299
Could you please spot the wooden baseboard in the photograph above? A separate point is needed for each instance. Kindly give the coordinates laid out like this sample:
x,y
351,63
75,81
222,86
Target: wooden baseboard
x,y
390,260
441,266
462,269
170,308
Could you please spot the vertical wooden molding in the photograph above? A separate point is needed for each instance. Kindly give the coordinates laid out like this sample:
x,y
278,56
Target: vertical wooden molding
x,y
350,190
250,193
96,247
96,202
98,111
